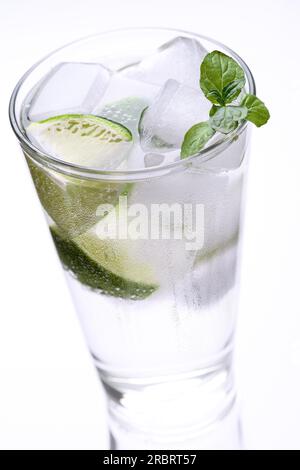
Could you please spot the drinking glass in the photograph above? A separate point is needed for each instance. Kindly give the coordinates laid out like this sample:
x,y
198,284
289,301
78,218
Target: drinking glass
x,y
159,312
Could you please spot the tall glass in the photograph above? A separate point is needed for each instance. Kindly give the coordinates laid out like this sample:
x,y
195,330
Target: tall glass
x,y
158,311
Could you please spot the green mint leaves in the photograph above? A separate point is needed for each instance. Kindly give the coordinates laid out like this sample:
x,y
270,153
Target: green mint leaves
x,y
226,119
257,111
222,80
195,138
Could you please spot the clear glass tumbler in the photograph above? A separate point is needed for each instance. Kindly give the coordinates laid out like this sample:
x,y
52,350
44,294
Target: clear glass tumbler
x,y
158,313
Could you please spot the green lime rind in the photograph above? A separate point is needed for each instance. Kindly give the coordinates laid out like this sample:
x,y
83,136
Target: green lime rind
x,y
93,275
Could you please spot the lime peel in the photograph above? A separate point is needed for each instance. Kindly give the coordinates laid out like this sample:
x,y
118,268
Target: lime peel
x,y
82,139
92,274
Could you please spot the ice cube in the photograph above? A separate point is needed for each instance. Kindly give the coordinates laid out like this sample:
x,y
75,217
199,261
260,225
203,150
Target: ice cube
x,y
124,101
212,277
178,59
153,159
174,110
230,158
69,88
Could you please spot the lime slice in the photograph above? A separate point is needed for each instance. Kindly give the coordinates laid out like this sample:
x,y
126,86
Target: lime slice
x,y
113,266
85,140
126,111
98,265
71,202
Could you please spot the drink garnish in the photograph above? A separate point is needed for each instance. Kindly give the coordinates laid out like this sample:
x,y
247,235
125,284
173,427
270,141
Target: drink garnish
x,y
222,81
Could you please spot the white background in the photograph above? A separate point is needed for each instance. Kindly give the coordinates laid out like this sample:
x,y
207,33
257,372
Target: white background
x,y
50,396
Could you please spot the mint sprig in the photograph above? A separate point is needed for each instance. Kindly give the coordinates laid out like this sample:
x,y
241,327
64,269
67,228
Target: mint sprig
x,y
222,80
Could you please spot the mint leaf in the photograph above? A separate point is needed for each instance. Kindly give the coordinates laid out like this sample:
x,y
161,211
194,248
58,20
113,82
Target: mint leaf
x,y
195,139
213,110
257,111
222,79
226,118
233,89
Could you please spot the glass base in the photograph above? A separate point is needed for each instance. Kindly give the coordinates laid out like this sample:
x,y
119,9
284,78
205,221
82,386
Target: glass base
x,y
188,411
224,434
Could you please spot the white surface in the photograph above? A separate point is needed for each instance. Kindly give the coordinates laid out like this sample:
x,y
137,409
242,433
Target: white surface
x,y
49,393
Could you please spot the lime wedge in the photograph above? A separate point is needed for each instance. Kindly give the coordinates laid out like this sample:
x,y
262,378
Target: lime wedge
x,y
126,111
107,265
113,266
85,140
98,265
71,202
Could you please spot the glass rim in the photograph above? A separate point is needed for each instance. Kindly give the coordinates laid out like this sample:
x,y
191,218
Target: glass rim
x,y
43,158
